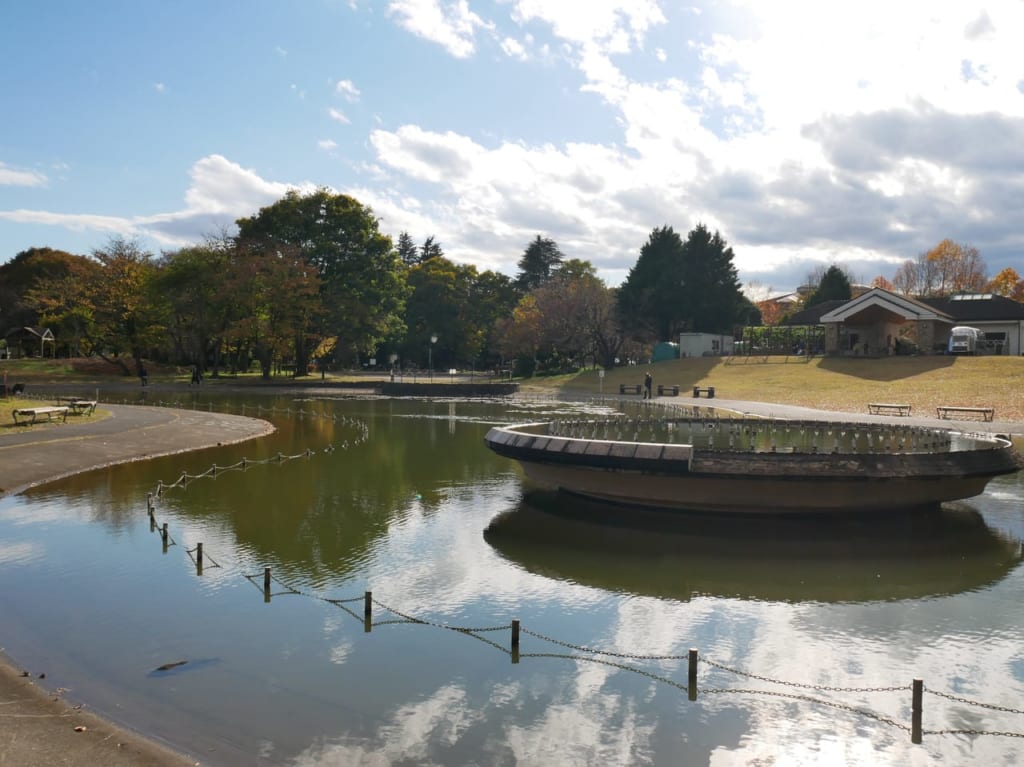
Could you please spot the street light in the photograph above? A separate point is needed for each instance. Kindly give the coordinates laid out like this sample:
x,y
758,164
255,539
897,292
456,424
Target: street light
x,y
430,355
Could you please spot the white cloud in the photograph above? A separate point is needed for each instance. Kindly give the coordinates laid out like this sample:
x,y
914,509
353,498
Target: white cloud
x,y
338,116
451,25
327,144
12,177
221,192
610,25
513,49
159,87
347,89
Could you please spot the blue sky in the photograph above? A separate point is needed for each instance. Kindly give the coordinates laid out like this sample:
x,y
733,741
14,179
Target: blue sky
x,y
807,132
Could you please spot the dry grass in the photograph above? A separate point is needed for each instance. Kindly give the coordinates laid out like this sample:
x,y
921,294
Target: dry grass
x,y
841,384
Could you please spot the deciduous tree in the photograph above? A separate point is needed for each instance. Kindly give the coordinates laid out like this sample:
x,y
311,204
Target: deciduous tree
x,y
362,286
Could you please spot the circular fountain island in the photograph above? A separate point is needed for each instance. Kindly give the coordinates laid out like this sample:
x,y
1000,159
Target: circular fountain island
x,y
698,459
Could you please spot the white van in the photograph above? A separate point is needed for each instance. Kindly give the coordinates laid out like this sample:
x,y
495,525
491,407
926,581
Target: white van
x,y
965,340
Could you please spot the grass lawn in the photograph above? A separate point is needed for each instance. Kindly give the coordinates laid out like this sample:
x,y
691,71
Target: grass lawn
x,y
831,383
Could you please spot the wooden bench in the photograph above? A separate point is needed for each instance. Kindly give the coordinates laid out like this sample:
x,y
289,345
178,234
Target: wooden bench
x,y
630,388
82,406
888,408
710,391
672,391
951,411
34,413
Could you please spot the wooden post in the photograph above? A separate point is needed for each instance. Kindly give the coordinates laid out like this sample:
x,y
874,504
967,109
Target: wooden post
x,y
163,533
266,584
915,708
368,604
199,559
149,503
515,641
691,676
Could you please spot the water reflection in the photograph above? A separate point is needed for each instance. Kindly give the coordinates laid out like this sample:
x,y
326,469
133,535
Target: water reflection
x,y
790,559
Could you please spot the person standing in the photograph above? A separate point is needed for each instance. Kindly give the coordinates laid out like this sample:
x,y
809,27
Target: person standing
x,y
648,384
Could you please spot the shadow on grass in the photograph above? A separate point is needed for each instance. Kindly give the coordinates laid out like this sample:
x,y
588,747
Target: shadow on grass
x,y
886,368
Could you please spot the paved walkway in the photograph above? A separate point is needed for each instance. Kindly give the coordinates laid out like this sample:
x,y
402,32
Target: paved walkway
x,y
38,727
132,433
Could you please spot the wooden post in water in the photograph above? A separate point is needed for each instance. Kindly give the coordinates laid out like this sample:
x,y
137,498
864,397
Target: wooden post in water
x,y
199,559
163,534
266,584
515,640
915,708
367,611
691,675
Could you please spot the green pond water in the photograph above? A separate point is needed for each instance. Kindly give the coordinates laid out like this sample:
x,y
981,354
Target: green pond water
x,y
809,632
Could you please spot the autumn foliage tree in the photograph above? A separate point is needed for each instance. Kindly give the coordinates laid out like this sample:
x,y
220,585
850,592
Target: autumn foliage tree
x,y
1007,283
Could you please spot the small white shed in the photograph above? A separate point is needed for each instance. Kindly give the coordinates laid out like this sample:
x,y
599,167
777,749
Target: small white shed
x,y
704,344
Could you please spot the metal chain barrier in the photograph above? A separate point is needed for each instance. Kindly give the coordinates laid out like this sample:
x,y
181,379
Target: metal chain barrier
x,y
804,685
969,702
591,650
810,699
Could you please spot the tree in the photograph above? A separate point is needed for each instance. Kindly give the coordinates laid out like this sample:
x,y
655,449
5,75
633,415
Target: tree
x,y
881,282
193,281
834,286
430,249
907,280
273,294
26,284
957,269
361,284
538,262
127,314
676,286
1007,283
407,250
564,322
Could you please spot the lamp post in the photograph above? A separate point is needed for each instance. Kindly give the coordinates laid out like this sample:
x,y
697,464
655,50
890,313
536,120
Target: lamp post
x,y
430,355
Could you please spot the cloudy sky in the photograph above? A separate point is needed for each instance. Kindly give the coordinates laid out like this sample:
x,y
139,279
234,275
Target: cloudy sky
x,y
808,132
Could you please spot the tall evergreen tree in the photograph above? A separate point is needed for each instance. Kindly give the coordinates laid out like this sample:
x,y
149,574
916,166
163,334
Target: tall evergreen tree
x,y
539,261
430,249
834,285
678,286
407,250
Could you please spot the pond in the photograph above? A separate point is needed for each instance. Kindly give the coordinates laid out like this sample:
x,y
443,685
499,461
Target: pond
x,y
809,633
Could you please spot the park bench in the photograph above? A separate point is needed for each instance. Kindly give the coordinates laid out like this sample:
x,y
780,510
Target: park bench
x,y
952,411
82,406
34,413
672,391
709,391
888,408
630,388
